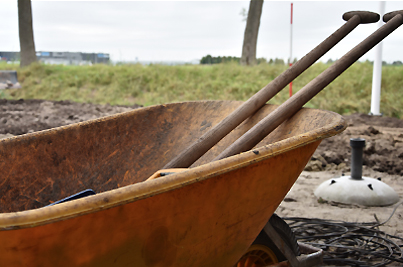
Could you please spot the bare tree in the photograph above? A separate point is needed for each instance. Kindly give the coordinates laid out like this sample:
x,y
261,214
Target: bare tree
x,y
27,45
251,32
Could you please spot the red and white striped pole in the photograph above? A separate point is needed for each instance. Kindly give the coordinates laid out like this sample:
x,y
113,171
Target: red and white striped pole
x,y
290,61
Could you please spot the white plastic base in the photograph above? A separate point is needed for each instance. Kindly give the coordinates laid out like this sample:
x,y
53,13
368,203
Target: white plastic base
x,y
366,191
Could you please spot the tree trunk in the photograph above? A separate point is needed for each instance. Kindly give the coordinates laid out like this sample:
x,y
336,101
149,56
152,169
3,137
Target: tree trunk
x,y
27,45
251,32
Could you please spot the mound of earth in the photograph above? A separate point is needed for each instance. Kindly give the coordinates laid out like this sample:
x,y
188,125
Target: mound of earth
x,y
25,116
383,151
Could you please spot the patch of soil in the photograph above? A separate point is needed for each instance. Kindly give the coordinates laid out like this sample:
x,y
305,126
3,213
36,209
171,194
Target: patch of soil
x,y
25,116
383,151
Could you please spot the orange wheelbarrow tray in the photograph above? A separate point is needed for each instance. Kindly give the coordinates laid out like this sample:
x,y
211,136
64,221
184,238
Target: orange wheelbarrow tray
x,y
205,215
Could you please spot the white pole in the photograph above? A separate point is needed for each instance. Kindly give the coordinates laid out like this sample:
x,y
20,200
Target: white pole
x,y
377,70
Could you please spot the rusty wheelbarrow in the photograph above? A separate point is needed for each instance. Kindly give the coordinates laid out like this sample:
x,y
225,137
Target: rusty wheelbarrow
x,y
146,211
207,215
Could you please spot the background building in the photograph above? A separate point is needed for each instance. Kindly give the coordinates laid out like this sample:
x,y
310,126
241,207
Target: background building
x,y
64,58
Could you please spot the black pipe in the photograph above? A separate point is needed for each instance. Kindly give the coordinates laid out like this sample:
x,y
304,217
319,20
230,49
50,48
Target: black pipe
x,y
357,146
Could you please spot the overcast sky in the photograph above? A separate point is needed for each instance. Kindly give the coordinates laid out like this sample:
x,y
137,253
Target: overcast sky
x,y
188,30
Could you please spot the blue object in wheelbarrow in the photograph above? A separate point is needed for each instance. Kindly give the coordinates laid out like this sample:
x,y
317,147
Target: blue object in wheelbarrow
x,y
84,193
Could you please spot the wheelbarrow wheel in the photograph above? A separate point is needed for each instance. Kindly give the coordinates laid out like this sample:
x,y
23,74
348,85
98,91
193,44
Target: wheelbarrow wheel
x,y
263,251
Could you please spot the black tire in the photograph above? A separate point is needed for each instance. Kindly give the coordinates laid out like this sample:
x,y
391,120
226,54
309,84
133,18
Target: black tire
x,y
286,234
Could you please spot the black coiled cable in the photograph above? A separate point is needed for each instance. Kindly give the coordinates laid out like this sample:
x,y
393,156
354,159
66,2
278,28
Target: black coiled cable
x,y
349,244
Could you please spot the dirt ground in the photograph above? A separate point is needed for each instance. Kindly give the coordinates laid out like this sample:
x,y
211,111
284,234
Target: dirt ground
x,y
383,156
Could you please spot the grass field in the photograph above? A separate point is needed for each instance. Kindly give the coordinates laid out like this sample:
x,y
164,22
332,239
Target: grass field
x,y
158,84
